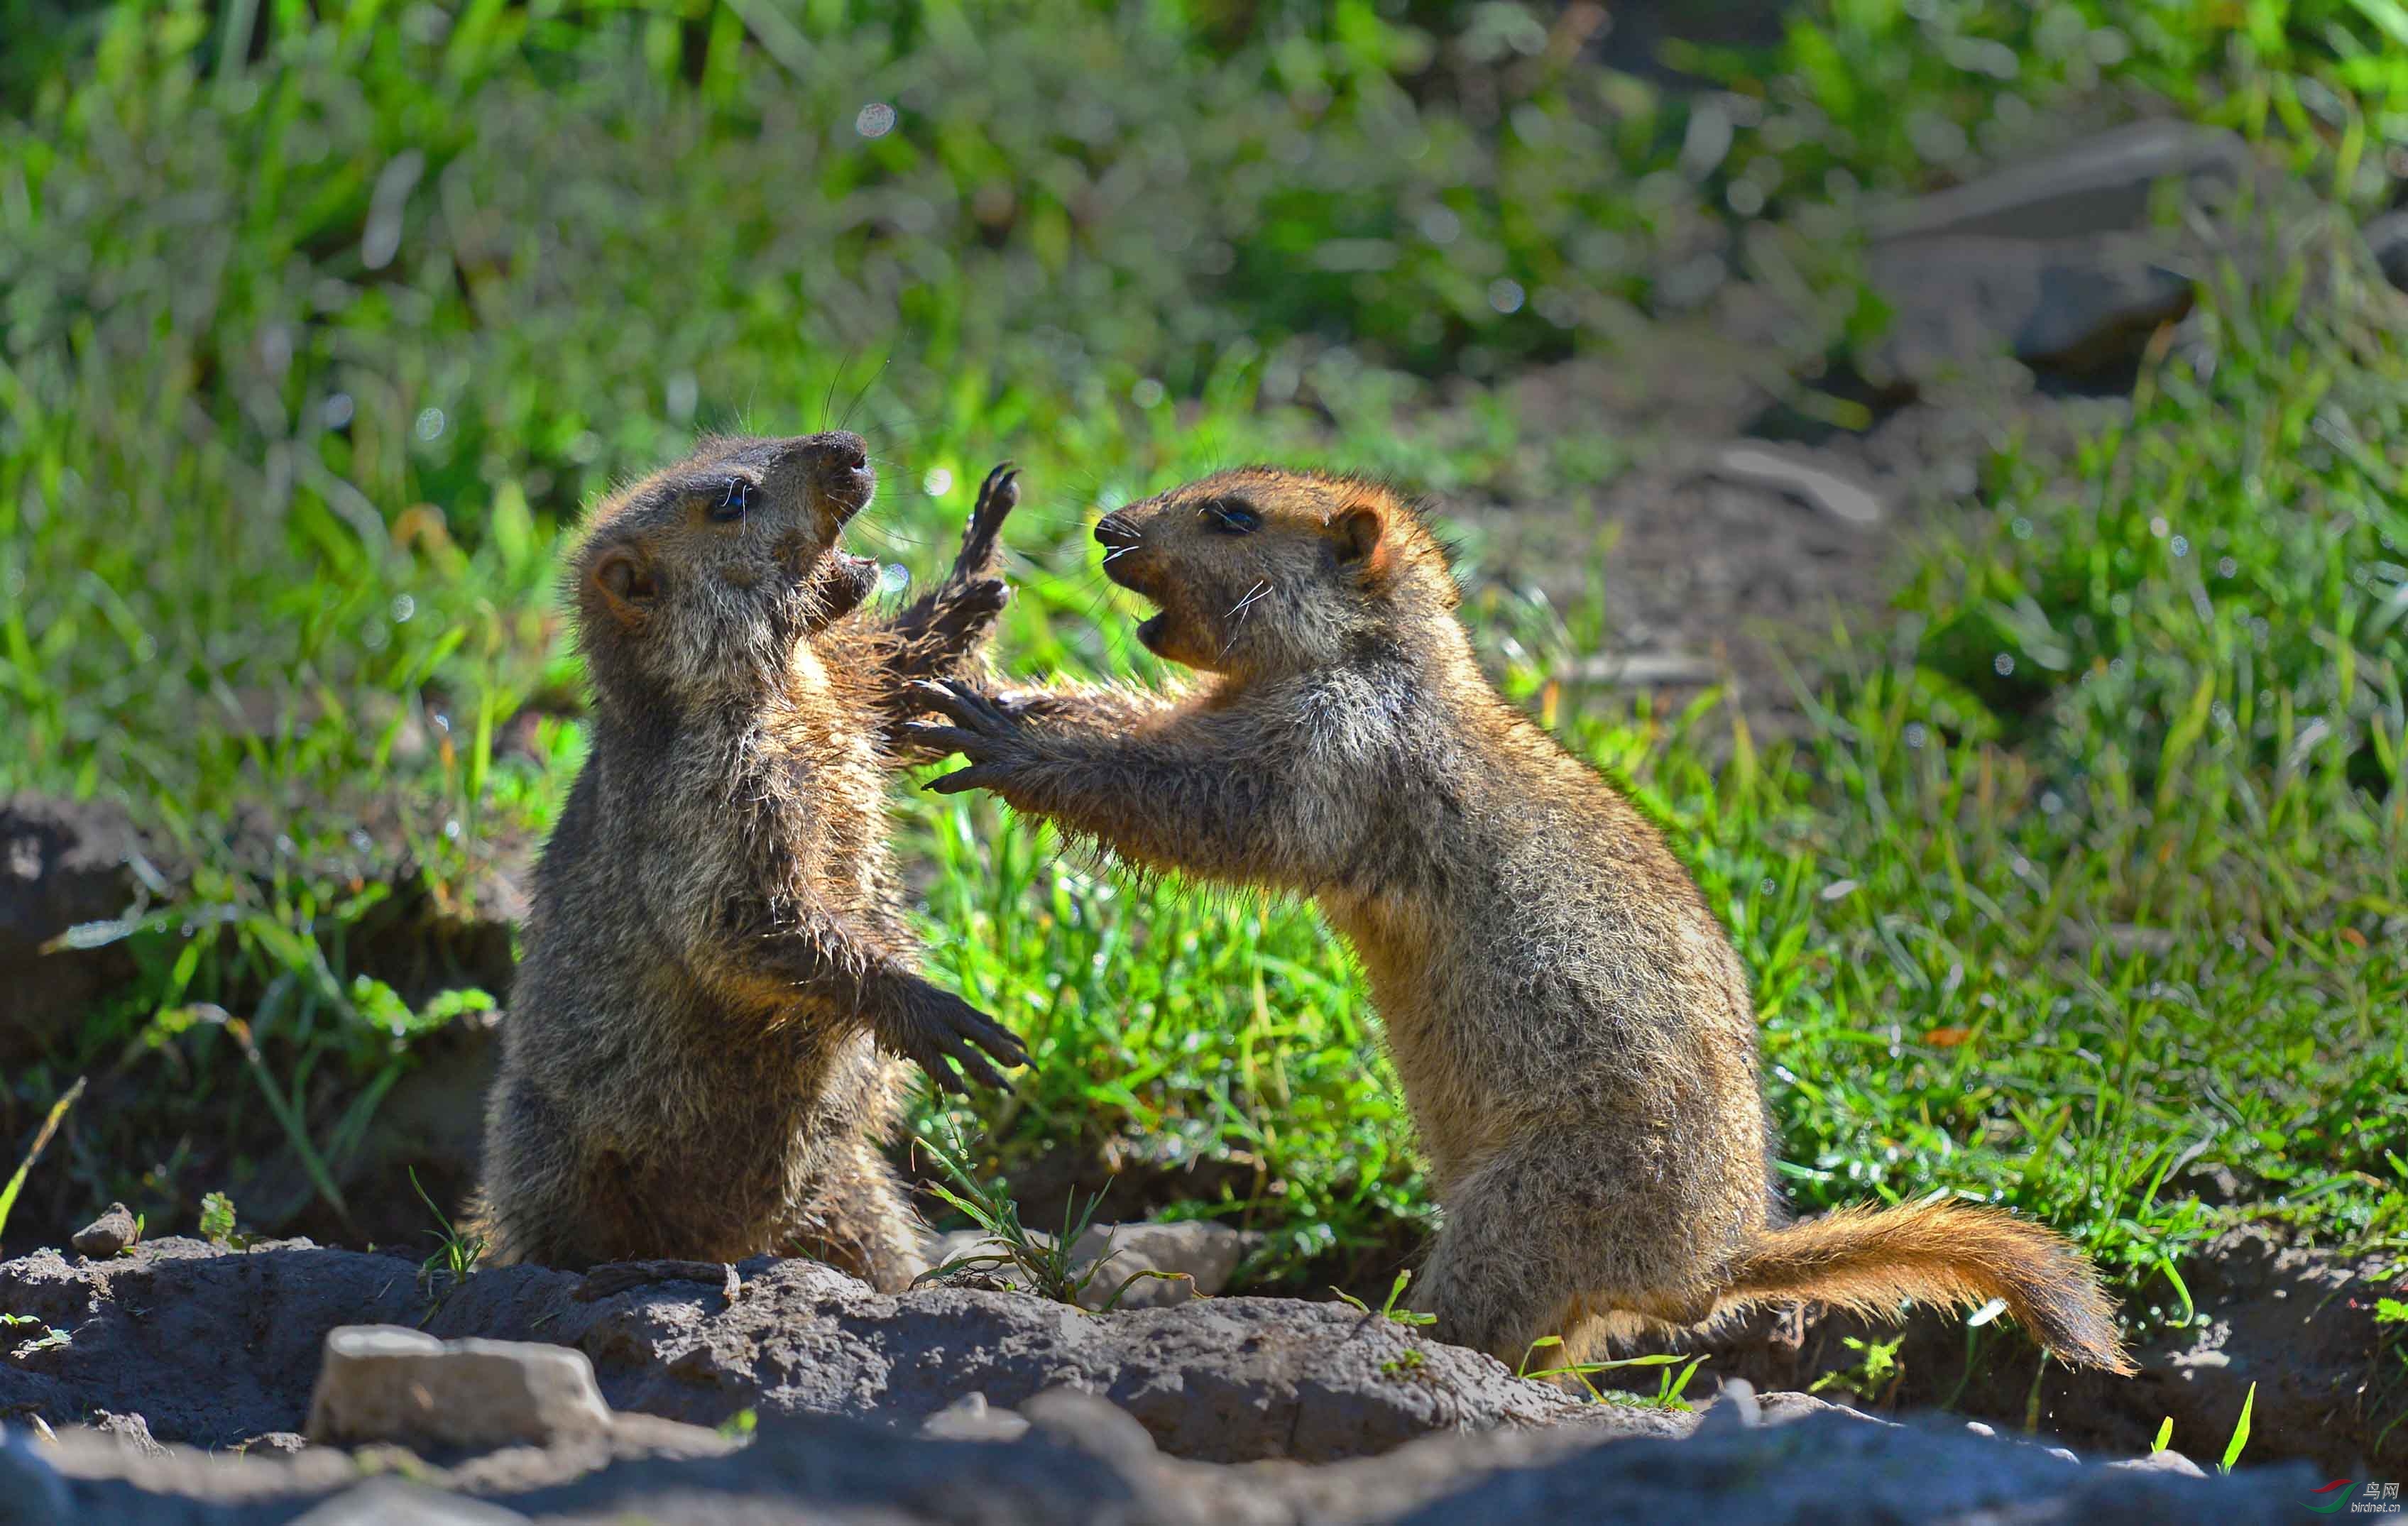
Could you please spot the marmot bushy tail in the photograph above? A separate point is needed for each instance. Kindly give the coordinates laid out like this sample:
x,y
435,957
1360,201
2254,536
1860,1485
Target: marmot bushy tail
x,y
1571,1025
700,1058
1945,1253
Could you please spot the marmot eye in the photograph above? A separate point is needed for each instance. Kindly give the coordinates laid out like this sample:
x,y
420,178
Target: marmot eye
x,y
730,501
1230,517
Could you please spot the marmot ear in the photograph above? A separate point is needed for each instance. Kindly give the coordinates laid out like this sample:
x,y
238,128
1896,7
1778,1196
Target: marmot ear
x,y
625,584
1360,529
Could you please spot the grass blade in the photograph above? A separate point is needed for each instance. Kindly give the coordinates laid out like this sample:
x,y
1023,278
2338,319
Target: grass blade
x,y
41,1143
2239,1431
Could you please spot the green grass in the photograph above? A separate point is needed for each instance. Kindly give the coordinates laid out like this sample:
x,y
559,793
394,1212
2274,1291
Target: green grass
x,y
2088,874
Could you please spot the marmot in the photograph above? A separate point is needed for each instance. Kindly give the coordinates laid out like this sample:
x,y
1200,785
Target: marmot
x,y
717,953
1572,1026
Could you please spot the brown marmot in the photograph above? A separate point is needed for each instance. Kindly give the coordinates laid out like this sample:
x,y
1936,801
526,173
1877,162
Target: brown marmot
x,y
718,964
1571,1025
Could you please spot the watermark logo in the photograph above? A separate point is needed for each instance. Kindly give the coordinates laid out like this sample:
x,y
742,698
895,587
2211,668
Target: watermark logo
x,y
2346,1494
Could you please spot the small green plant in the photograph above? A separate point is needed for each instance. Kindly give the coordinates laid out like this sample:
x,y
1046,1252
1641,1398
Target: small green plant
x,y
42,1142
1405,1363
2239,1431
2390,1317
456,1251
1045,1262
1875,1375
740,1425
2164,1435
1388,1309
42,1342
1670,1385
218,1223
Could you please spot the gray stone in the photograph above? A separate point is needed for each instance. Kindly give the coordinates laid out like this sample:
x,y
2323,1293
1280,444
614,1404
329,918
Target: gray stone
x,y
105,1236
970,1418
981,1257
2054,261
32,1494
2079,306
2102,184
129,1431
1833,1468
1734,1409
1198,1255
395,1502
1086,1424
385,1383
1224,1380
2165,1461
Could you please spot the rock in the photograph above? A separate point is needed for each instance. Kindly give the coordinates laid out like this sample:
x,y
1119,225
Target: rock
x,y
969,1419
2386,239
2054,261
2078,306
982,1251
1227,1379
1813,483
32,1494
274,1443
107,1234
63,865
1199,1253
1202,1255
2102,184
1734,1409
2166,1461
395,1502
1086,1424
385,1383
1831,1468
129,1431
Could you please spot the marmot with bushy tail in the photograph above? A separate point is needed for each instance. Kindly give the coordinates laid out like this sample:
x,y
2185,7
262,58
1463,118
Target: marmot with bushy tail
x,y
701,1061
1571,1025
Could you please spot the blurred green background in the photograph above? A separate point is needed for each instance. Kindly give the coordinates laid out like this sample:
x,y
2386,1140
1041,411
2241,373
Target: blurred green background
x,y
320,322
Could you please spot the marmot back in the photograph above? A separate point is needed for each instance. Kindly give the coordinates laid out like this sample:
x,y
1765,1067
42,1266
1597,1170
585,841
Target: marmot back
x,y
696,1064
1572,1028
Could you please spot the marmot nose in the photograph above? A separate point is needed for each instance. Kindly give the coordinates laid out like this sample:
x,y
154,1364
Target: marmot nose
x,y
840,453
840,467
1111,530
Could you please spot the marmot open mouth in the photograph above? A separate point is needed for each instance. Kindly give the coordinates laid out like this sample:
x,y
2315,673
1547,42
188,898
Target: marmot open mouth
x,y
848,580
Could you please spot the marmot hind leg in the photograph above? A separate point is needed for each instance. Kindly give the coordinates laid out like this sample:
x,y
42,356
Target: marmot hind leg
x,y
535,1206
1528,1250
861,1224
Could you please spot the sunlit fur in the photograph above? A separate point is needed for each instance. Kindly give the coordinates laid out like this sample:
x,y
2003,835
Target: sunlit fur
x,y
1572,1027
689,1067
